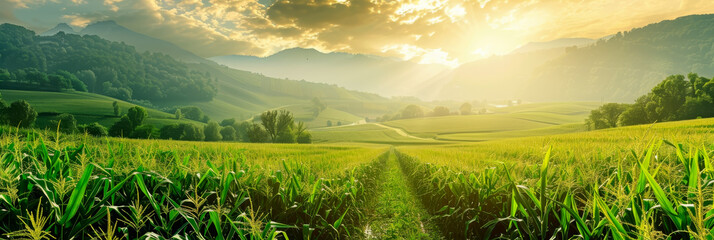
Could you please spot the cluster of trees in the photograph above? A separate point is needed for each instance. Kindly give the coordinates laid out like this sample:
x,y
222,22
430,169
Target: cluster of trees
x,y
414,111
63,61
675,98
277,127
192,113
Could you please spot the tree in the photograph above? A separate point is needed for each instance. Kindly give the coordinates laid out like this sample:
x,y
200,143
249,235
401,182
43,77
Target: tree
x,y
178,114
256,133
193,113
317,106
137,115
4,75
697,107
65,123
301,133
278,125
229,133
20,114
304,138
329,123
213,131
269,121
145,132
440,111
606,116
73,81
117,110
339,123
242,130
192,132
122,128
668,97
412,111
228,122
88,78
94,129
171,131
465,109
635,114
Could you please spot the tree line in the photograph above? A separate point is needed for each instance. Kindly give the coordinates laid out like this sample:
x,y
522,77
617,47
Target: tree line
x,y
275,126
675,98
68,61
415,111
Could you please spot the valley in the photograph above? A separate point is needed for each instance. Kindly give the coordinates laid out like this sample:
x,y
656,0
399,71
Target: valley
x,y
285,127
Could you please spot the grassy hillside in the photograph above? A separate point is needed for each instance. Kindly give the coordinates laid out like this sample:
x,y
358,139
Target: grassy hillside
x,y
86,107
515,120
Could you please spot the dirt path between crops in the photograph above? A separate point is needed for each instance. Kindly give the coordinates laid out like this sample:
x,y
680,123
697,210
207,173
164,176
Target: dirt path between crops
x,y
398,213
401,132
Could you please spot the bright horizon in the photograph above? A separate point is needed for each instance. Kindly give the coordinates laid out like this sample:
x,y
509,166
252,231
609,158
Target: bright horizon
x,y
449,32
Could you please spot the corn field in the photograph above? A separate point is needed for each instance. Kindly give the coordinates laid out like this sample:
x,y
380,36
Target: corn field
x,y
60,193
56,186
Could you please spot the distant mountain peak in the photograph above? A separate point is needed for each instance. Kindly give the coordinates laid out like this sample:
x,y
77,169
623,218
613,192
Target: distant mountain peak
x,y
61,27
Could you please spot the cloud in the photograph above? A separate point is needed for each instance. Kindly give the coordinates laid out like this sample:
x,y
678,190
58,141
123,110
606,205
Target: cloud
x,y
428,31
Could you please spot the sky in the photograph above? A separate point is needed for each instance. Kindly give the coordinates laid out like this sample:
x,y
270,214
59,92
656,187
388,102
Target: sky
x,y
449,32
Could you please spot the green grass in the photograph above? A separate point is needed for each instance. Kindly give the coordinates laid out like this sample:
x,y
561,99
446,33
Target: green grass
x,y
86,107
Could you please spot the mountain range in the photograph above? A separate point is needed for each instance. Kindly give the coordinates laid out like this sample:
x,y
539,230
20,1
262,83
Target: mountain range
x,y
369,73
619,67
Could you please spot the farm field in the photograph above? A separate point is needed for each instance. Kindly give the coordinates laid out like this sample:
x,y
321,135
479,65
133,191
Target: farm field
x,y
274,183
170,188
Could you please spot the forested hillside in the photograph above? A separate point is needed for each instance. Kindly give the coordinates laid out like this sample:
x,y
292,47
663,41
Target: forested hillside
x,y
109,68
